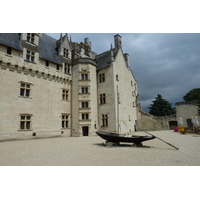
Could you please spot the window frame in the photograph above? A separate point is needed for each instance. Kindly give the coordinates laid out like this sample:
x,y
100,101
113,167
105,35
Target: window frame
x,y
27,122
65,121
30,38
30,56
102,99
104,120
102,78
24,89
65,94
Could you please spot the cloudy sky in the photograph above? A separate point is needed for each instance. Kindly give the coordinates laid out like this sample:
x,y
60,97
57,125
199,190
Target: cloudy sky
x,y
163,63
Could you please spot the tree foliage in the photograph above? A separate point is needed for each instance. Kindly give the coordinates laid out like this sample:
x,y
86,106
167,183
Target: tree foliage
x,y
161,107
192,95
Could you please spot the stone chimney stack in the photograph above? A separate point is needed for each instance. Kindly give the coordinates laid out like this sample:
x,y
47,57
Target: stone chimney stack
x,y
118,41
126,56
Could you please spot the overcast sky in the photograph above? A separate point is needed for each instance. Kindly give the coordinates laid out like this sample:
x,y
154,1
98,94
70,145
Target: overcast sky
x,y
163,63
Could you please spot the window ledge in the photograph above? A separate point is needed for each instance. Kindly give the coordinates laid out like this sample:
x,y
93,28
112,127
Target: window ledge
x,y
29,61
25,97
8,55
25,130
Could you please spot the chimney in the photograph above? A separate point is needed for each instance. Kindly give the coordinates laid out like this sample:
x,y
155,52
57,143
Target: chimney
x,y
118,41
126,56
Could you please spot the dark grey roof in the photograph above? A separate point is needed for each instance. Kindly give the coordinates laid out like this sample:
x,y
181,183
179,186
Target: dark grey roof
x,y
104,59
47,49
11,40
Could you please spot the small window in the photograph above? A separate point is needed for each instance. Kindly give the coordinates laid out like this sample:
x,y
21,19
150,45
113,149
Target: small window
x,y
25,122
31,37
57,67
85,104
102,98
84,90
30,56
65,121
66,53
9,50
25,89
117,77
67,69
85,116
101,78
47,63
84,76
65,95
104,119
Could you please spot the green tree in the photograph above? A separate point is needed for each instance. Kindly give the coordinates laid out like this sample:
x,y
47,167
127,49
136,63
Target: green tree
x,y
192,95
161,107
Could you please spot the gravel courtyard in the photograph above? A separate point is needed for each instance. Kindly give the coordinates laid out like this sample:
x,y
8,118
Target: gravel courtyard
x,y
89,151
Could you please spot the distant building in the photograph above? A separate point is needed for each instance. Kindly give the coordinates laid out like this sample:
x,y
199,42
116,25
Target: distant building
x,y
59,87
187,114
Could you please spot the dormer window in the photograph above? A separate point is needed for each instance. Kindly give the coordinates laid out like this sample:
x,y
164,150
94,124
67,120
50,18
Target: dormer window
x,y
30,37
66,53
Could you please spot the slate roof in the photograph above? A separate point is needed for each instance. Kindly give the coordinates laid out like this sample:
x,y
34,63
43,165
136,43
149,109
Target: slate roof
x,y
11,40
103,60
47,49
47,46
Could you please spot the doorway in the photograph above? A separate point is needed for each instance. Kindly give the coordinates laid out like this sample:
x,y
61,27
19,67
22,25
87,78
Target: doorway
x,y
189,123
85,130
172,124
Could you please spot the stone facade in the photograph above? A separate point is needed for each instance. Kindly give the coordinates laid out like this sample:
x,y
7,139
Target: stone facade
x,y
187,114
61,88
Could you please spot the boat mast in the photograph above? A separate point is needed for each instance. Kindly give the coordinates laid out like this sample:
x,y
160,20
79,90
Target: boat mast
x,y
118,108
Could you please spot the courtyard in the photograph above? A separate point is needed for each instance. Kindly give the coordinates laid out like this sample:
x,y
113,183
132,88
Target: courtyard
x,y
89,151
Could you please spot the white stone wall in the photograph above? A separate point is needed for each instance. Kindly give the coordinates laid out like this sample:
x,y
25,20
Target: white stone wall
x,y
127,89
119,79
45,101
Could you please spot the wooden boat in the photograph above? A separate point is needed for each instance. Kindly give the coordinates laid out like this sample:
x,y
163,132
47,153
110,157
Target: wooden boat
x,y
127,138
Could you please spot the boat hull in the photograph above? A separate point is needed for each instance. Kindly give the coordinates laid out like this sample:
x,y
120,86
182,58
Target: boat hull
x,y
117,138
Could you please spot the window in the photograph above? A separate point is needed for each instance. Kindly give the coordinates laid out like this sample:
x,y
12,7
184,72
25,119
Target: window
x,y
30,37
102,98
117,78
101,78
104,120
58,67
25,89
9,50
84,76
67,68
66,53
47,63
84,90
30,56
65,120
85,104
65,95
131,83
25,122
85,116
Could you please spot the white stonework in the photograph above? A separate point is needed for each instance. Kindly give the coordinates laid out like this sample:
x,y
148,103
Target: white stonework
x,y
49,79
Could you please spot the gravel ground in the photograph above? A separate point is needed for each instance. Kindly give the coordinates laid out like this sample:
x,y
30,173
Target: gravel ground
x,y
89,151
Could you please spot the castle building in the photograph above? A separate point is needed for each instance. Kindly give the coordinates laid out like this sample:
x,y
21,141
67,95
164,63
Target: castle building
x,y
55,87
